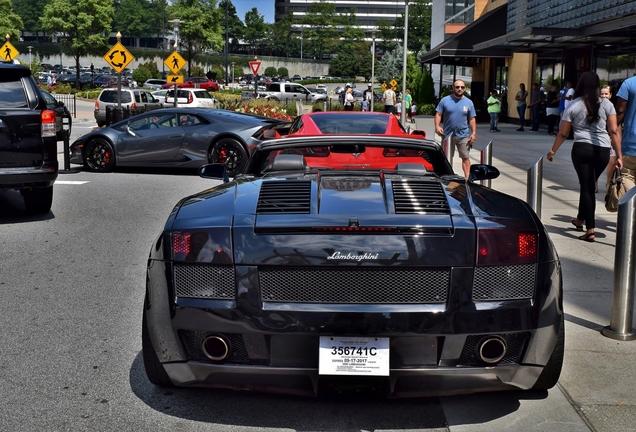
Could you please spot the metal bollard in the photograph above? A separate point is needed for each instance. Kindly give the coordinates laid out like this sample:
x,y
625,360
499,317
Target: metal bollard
x,y
535,185
324,106
447,147
67,155
620,327
485,157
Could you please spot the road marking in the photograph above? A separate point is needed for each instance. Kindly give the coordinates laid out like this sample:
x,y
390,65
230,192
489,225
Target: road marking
x,y
70,182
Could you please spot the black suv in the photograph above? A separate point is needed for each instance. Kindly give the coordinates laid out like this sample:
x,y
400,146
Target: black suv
x,y
28,143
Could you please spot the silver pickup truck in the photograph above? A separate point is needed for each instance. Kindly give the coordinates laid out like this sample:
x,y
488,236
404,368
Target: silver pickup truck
x,y
286,92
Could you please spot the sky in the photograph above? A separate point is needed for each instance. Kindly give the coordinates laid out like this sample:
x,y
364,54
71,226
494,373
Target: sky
x,y
265,8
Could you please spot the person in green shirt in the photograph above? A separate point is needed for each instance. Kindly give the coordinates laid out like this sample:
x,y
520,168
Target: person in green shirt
x,y
494,108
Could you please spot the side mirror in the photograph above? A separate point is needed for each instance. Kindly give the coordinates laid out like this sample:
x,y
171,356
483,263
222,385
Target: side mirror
x,y
482,172
215,171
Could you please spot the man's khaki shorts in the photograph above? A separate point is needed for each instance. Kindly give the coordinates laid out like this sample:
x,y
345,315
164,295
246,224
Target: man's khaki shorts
x,y
462,146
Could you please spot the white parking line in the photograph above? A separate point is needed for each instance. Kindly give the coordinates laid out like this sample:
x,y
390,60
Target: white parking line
x,y
70,182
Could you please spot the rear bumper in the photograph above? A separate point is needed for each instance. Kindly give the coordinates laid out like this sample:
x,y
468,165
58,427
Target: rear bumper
x,y
419,382
20,178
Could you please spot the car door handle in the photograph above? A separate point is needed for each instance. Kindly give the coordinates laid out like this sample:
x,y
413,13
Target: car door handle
x,y
176,136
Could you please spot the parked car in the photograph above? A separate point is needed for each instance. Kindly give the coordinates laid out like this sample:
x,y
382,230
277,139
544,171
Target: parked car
x,y
28,147
62,114
105,81
349,122
315,269
134,100
160,95
154,83
190,97
195,82
286,92
176,137
296,78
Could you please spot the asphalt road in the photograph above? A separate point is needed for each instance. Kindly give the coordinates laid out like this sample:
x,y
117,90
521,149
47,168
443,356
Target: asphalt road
x,y
73,286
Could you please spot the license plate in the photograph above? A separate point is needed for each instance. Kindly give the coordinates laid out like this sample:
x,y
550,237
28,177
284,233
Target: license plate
x,y
354,356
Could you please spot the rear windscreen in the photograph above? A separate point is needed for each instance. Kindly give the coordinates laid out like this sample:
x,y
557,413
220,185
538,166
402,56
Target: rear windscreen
x,y
110,96
12,95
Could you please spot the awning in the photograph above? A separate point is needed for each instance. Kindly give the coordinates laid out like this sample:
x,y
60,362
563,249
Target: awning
x,y
459,49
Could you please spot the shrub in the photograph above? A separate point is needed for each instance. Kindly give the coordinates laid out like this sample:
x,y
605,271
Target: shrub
x,y
270,71
141,74
282,71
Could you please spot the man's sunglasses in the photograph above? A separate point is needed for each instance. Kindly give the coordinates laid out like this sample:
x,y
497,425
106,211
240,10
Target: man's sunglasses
x,y
461,87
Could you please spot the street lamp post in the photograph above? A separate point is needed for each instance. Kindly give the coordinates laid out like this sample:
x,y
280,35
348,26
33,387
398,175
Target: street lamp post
x,y
233,63
372,71
406,34
30,57
227,40
301,43
175,22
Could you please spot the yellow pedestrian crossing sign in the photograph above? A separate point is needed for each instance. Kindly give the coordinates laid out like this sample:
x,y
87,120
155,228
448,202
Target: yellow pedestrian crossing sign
x,y
118,57
174,62
8,52
393,84
383,86
173,79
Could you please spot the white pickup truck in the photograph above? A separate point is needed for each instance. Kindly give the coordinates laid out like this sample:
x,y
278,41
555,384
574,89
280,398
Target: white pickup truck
x,y
286,92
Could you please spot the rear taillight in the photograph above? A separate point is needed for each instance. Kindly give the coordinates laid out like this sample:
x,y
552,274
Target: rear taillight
x,y
190,99
96,106
47,118
133,107
181,243
501,246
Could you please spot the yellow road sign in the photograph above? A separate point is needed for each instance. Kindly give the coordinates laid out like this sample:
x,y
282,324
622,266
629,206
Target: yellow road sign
x,y
383,86
118,57
8,52
172,79
174,62
393,83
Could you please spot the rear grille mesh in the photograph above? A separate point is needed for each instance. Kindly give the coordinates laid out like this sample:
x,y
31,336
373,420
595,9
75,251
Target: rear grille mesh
x,y
204,281
419,197
354,285
284,197
512,282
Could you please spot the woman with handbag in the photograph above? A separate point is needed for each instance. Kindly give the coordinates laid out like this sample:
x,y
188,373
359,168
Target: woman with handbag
x,y
595,131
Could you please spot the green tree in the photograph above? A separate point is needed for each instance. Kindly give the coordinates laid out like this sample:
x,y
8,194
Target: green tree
x,y
141,74
281,35
10,22
133,18
199,29
390,67
386,35
270,71
83,24
282,71
321,31
151,66
30,11
419,24
236,28
255,29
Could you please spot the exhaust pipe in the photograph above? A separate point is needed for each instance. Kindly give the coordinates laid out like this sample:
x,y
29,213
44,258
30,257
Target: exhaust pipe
x,y
491,349
215,348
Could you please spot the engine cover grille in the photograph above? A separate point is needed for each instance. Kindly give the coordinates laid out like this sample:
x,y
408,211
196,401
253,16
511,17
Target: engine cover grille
x,y
512,282
204,281
354,285
292,196
419,197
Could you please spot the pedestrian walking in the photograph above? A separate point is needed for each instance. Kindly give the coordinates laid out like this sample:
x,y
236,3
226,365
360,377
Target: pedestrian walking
x,y
349,100
552,109
389,99
521,97
626,115
494,108
457,114
408,100
595,126
536,98
606,92
413,112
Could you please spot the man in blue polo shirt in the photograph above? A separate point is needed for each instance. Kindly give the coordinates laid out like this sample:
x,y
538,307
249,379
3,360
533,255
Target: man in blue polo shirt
x,y
626,115
458,115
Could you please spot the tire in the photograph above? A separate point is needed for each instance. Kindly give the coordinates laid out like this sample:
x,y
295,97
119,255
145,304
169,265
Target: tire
x,y
38,201
230,153
552,370
99,155
154,369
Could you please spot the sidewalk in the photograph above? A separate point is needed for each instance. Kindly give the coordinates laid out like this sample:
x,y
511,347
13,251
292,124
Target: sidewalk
x,y
598,372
